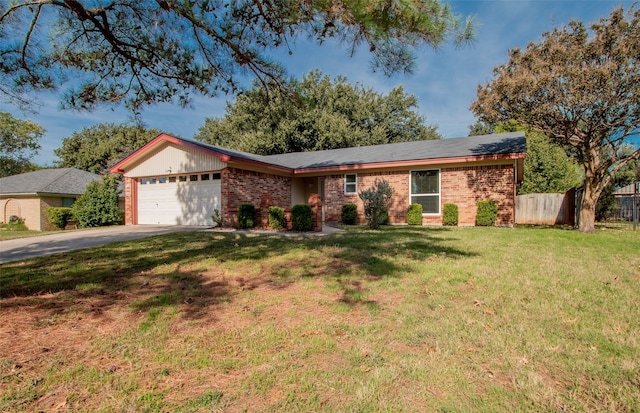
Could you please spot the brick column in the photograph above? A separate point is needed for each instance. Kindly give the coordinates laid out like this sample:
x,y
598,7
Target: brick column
x,y
316,212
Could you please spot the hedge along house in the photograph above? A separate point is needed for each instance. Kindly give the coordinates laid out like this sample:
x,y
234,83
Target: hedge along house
x,y
178,181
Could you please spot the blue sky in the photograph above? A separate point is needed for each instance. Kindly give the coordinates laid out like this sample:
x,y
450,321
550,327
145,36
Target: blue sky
x,y
445,81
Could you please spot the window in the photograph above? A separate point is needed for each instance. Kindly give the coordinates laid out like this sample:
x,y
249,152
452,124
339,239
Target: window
x,y
153,180
68,202
425,190
182,178
172,179
215,176
143,181
162,180
193,178
204,177
350,183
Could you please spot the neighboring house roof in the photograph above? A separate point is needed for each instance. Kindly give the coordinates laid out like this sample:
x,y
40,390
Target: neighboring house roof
x,y
60,181
505,146
630,189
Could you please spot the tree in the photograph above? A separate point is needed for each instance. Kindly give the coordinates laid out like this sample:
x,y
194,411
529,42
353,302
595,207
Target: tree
x,y
480,128
318,114
18,144
580,89
143,52
376,202
547,168
97,148
98,206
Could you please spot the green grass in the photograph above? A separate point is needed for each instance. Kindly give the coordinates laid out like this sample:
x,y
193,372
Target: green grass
x,y
399,319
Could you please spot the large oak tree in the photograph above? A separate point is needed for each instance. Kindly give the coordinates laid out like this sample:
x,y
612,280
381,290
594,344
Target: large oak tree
x,y
142,52
582,89
316,113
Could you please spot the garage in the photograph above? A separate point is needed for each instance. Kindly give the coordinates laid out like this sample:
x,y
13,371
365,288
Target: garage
x,y
179,199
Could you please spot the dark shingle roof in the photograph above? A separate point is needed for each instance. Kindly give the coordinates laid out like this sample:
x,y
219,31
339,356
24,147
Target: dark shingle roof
x,y
484,145
62,181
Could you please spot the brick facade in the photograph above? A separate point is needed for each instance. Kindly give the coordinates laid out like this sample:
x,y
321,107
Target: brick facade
x,y
240,186
463,186
129,205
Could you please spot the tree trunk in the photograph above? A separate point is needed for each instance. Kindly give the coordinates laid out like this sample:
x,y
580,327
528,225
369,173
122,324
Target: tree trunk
x,y
588,207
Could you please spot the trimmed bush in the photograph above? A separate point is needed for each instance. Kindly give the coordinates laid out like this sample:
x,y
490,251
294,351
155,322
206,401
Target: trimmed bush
x,y
301,217
487,214
384,217
276,217
414,214
450,215
246,215
349,214
59,217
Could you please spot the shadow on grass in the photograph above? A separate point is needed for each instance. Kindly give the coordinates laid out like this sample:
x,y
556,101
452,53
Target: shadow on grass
x,y
176,269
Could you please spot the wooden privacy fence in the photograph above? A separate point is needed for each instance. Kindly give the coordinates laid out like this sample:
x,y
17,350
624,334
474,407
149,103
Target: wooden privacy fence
x,y
546,209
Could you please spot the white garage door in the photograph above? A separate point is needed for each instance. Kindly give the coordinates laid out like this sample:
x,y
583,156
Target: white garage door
x,y
186,200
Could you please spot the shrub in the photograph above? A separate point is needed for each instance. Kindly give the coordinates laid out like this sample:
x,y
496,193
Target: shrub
x,y
414,214
276,217
487,213
376,201
98,206
246,215
301,217
216,218
15,224
349,214
450,215
384,217
59,217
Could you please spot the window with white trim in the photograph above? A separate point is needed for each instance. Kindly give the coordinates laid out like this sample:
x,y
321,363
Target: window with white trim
x,y
425,190
350,183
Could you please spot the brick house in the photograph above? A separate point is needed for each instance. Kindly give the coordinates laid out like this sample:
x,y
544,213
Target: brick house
x,y
179,181
29,195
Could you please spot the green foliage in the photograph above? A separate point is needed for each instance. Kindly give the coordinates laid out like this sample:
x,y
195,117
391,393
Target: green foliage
x,y
17,225
376,202
584,95
414,214
98,206
216,218
450,215
487,213
144,52
276,217
349,214
246,215
99,147
302,217
59,217
18,144
313,114
547,167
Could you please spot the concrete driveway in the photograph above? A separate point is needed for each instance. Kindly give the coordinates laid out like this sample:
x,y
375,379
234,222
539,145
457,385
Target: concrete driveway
x,y
31,247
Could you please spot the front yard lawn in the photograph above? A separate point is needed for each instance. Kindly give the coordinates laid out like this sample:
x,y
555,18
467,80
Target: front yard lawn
x,y
402,319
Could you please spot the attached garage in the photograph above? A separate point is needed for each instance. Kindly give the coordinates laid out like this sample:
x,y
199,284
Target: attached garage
x,y
179,199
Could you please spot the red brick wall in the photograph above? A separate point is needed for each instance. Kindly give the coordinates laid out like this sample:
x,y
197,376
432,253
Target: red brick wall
x,y
335,196
462,186
466,186
240,186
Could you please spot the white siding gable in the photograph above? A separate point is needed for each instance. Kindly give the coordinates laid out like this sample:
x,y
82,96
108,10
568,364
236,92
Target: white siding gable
x,y
175,159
